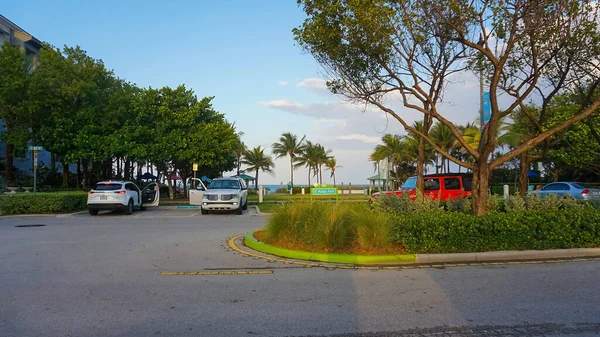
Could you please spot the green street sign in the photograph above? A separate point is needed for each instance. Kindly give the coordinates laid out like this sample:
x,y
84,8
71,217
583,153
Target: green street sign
x,y
36,148
324,191
320,191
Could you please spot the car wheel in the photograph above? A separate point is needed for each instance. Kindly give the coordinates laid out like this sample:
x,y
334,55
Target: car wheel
x,y
130,207
239,210
203,211
93,211
245,207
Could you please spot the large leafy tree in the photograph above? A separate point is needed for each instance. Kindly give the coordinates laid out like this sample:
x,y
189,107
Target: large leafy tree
x,y
288,145
14,112
257,160
410,48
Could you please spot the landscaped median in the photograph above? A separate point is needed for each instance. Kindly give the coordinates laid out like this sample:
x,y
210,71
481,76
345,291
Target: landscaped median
x,y
252,242
397,231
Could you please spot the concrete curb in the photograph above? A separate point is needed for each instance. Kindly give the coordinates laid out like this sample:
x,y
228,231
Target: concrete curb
x,y
416,259
251,242
508,255
48,215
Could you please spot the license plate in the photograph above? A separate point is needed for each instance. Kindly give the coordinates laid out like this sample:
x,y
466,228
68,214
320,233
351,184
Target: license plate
x,y
103,197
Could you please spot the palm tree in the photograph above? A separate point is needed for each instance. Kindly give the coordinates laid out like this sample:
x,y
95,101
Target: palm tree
x,y
309,158
257,160
397,149
321,157
331,165
444,139
288,146
240,149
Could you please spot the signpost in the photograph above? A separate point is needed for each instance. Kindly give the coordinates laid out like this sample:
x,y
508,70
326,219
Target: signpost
x,y
194,168
323,191
35,150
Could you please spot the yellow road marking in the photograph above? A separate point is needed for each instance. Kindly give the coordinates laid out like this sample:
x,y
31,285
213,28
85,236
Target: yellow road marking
x,y
232,245
226,272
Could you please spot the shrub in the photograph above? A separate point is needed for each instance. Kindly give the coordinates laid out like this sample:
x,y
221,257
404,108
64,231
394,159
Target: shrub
x,y
514,203
373,228
322,225
453,232
41,203
459,205
492,204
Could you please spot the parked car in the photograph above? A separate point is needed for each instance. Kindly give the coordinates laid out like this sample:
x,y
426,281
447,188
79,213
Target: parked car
x,y
563,188
437,186
225,194
114,195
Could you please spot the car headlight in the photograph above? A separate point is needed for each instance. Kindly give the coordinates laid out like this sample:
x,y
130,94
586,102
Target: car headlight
x,y
205,196
235,196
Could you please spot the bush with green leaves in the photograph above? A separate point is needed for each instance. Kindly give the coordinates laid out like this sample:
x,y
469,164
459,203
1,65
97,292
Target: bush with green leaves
x,y
42,203
373,228
514,203
454,232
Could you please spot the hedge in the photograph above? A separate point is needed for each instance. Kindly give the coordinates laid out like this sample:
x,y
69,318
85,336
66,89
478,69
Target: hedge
x,y
456,232
42,203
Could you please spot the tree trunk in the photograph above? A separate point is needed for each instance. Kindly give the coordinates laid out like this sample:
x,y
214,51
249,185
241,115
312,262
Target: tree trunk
x,y
480,193
77,185
309,177
256,180
65,176
8,170
333,178
523,171
292,171
320,175
52,162
421,164
170,184
447,166
126,166
84,163
184,179
555,173
238,164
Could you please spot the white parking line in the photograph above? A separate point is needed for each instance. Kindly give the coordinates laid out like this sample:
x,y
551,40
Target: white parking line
x,y
193,215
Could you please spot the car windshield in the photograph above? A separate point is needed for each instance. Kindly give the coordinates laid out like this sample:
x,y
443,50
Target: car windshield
x,y
410,183
225,184
107,187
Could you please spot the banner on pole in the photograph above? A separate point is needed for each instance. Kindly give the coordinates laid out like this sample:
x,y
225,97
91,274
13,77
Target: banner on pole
x,y
487,109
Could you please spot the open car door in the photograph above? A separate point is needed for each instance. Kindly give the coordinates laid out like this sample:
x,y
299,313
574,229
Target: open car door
x,y
151,195
196,193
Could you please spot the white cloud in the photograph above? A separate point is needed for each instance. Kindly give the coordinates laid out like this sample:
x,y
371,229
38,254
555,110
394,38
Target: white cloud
x,y
362,138
316,85
283,83
282,104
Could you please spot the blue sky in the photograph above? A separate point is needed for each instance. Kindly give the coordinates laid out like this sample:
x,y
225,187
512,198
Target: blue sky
x,y
241,52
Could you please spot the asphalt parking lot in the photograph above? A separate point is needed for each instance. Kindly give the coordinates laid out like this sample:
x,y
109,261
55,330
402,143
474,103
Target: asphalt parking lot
x,y
116,275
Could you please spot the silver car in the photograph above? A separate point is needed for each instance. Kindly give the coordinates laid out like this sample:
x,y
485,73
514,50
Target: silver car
x,y
576,190
225,194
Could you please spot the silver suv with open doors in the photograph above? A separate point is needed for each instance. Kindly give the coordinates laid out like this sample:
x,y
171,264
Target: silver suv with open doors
x,y
126,196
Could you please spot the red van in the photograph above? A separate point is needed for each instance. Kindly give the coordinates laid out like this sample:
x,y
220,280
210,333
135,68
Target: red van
x,y
440,186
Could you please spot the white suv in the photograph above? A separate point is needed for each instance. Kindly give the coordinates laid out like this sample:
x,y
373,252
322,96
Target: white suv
x,y
225,194
121,196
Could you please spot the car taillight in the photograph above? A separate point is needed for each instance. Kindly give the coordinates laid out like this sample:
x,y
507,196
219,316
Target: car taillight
x,y
584,192
90,192
120,192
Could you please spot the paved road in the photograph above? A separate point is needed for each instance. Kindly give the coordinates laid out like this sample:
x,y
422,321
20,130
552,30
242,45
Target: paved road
x,y
100,276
